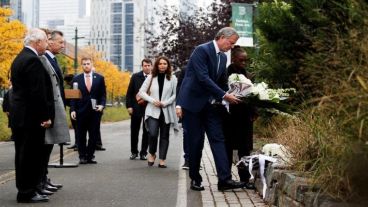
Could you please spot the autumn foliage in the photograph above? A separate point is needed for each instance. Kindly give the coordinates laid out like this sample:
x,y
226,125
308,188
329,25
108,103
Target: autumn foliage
x,y
11,36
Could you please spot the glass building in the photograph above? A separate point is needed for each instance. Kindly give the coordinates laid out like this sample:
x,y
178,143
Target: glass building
x,y
128,36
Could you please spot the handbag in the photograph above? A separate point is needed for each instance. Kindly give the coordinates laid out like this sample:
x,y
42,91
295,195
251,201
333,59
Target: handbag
x,y
140,100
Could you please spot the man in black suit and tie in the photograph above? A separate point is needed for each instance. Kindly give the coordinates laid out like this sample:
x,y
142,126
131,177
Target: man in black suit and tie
x,y
88,109
31,111
202,90
136,111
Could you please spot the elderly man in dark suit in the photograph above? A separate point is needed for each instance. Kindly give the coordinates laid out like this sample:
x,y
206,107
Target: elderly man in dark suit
x,y
202,90
136,111
87,110
32,111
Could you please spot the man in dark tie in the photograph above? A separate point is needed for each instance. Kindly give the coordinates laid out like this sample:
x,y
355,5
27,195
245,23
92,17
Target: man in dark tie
x,y
87,110
202,90
31,112
136,111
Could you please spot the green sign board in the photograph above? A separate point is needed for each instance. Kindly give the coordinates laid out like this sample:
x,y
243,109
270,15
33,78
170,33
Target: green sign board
x,y
242,22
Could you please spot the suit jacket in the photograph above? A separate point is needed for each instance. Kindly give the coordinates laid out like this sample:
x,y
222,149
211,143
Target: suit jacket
x,y
59,75
202,82
59,133
83,106
32,97
167,98
135,84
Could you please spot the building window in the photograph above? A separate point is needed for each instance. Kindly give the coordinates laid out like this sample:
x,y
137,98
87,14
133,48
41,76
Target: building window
x,y
129,62
128,49
116,49
129,29
116,28
116,8
129,39
129,8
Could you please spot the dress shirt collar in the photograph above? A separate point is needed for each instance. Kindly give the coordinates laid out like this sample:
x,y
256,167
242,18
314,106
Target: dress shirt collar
x,y
52,56
216,47
31,48
145,75
90,74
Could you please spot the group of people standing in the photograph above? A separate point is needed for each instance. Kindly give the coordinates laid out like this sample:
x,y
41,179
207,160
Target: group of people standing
x,y
199,105
38,119
37,114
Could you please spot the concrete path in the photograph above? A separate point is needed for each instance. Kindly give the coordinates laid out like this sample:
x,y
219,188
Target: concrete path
x,y
118,181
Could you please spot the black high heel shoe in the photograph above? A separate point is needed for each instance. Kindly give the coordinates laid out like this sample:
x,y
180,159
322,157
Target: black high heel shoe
x,y
162,166
151,163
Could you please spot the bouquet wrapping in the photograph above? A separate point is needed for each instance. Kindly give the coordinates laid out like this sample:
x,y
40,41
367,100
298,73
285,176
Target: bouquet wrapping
x,y
258,94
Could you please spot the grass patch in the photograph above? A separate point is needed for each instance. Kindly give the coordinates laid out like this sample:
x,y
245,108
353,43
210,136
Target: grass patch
x,y
4,130
111,114
114,114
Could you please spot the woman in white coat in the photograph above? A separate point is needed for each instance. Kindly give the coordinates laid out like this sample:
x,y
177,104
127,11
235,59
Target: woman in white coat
x,y
159,90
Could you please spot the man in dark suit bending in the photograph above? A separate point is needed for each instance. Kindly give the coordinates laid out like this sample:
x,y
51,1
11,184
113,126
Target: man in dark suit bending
x,y
31,111
202,90
87,110
136,111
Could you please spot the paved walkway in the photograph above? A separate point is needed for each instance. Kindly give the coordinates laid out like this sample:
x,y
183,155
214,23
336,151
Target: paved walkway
x,y
118,181
211,197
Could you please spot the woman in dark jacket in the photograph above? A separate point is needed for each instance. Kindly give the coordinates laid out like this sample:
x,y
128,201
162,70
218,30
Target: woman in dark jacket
x,y
239,123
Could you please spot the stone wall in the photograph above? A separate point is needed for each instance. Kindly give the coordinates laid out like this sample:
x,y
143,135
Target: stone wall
x,y
287,189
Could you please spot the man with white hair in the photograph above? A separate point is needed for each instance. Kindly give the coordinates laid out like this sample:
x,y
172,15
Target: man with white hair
x,y
32,111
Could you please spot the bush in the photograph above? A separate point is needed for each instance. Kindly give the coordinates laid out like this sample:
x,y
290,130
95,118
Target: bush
x,y
329,137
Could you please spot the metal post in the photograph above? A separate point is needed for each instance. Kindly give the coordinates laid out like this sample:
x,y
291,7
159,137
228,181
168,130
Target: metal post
x,y
76,51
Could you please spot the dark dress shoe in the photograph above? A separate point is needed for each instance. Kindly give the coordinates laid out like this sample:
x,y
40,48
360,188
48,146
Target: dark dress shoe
x,y
143,157
35,199
100,148
50,188
185,165
44,192
82,161
162,166
229,184
91,161
197,186
58,186
249,186
73,147
133,156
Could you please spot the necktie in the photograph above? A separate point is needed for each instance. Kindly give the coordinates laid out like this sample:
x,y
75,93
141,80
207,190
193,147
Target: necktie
x,y
218,62
145,76
55,60
88,82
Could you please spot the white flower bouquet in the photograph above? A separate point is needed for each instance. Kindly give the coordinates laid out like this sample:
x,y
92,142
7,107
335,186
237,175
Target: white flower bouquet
x,y
258,94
